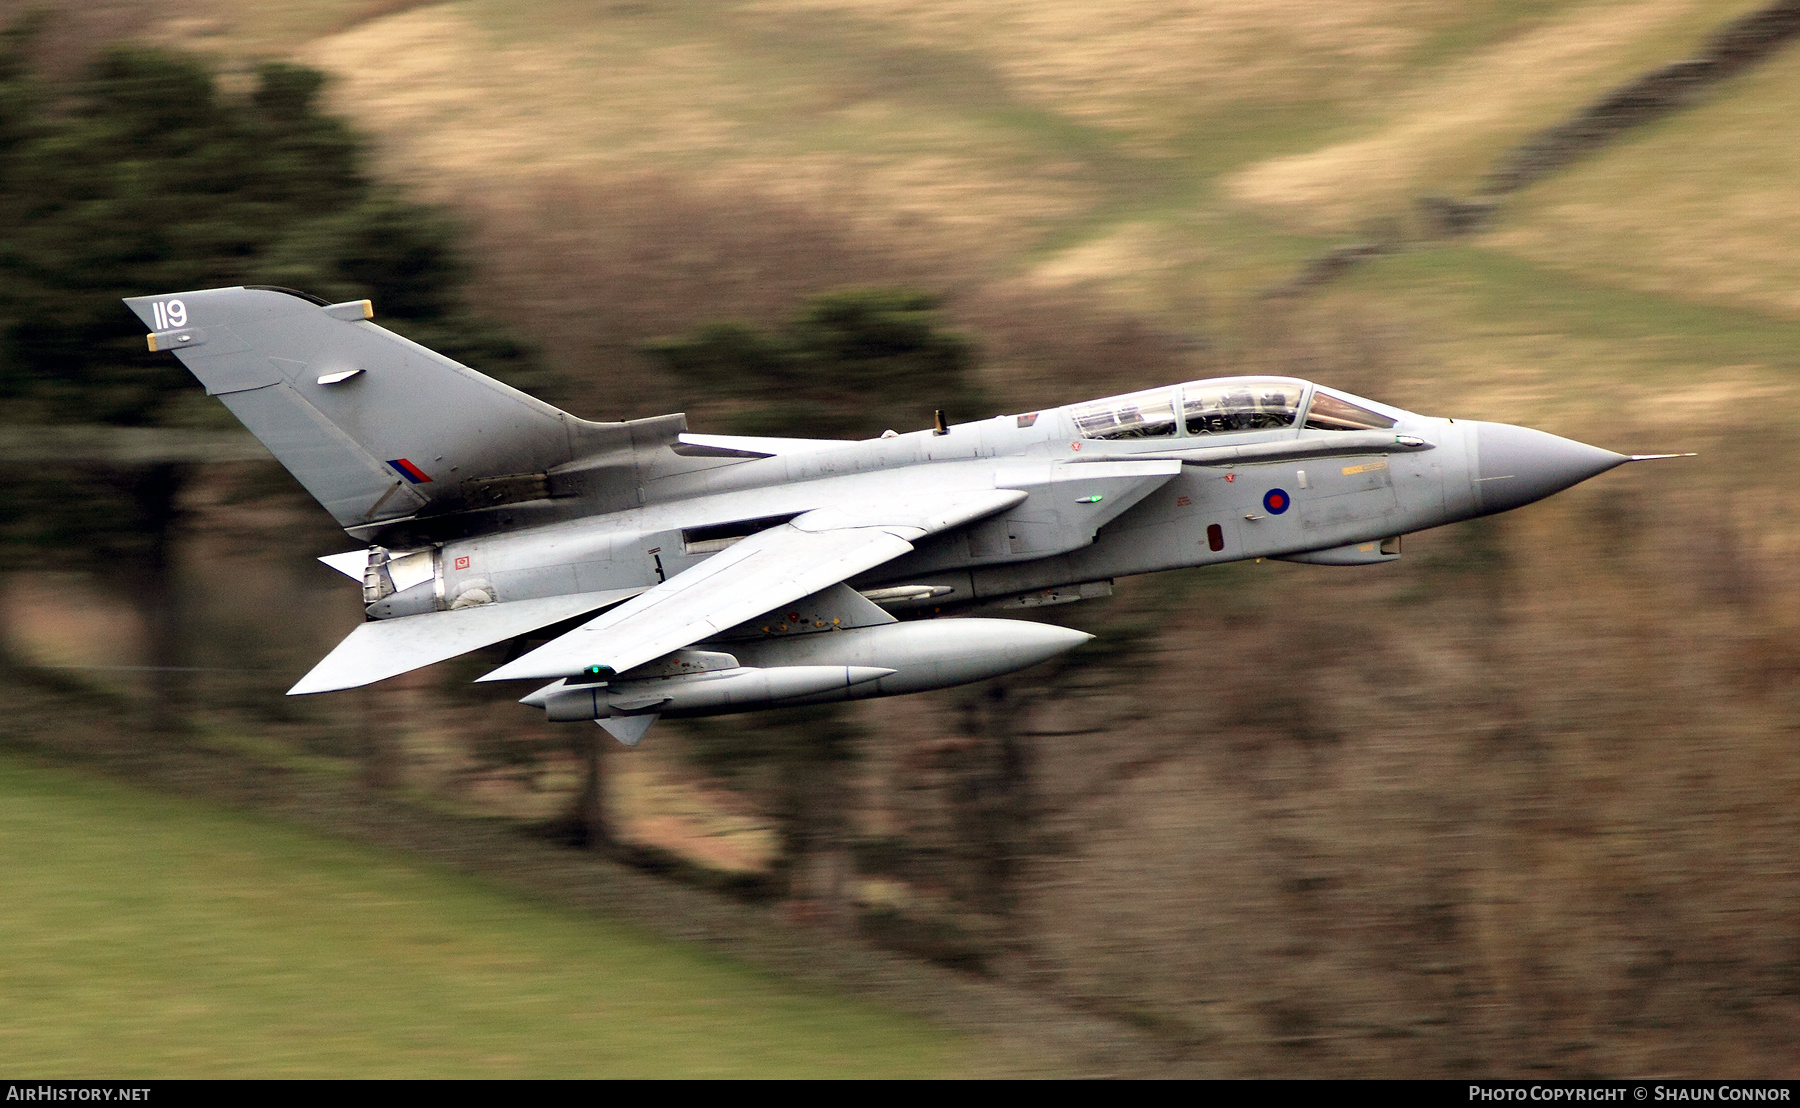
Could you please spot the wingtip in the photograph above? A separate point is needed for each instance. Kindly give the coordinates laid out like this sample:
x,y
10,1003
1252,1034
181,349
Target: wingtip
x,y
314,682
513,671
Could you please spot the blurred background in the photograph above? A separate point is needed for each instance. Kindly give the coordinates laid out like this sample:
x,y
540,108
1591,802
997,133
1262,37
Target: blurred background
x,y
1522,803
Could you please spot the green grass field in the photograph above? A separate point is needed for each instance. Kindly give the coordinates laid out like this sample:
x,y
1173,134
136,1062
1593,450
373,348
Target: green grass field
x,y
144,936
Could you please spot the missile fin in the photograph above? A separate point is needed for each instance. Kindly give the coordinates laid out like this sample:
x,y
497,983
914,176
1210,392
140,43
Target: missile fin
x,y
629,730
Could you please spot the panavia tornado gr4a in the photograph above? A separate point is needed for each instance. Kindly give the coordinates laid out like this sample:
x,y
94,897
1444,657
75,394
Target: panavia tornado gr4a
x,y
642,571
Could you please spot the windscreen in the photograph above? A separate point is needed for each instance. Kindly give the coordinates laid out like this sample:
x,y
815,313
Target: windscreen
x,y
1240,404
1332,413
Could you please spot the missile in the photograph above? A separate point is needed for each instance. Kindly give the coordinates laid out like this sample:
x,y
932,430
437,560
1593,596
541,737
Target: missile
x,y
702,693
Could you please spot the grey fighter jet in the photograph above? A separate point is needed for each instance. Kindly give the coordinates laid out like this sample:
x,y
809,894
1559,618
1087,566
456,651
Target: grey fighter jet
x,y
678,574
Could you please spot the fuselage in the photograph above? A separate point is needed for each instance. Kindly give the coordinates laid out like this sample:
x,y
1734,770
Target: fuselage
x,y
1193,474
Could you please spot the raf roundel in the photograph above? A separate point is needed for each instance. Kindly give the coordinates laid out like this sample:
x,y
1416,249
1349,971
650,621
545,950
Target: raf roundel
x,y
1276,501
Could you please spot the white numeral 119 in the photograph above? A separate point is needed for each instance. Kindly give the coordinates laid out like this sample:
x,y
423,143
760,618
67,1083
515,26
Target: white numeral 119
x,y
170,313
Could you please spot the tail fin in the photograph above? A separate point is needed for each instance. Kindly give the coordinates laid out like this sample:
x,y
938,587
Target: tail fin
x,y
376,427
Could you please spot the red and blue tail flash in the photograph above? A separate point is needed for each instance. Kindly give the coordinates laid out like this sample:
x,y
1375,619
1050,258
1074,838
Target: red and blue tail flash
x,y
409,471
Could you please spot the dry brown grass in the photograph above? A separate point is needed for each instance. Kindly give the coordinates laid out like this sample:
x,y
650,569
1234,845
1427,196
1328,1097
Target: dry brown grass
x,y
593,270
72,31
1705,206
1521,806
1146,69
454,99
1442,134
663,802
229,32
63,620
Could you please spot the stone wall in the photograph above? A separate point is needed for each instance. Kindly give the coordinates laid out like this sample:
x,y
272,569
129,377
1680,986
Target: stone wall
x,y
1737,46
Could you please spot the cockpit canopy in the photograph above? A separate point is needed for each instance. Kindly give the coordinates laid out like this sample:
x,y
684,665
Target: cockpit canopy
x,y
1221,406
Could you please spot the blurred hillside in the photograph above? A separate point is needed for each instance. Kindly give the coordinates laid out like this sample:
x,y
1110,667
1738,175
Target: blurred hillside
x,y
1522,803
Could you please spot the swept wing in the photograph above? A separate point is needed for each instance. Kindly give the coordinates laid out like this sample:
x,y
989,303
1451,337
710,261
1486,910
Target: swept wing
x,y
386,648
763,572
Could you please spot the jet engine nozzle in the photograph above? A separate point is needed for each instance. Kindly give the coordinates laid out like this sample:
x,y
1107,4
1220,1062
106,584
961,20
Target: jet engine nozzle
x,y
1517,465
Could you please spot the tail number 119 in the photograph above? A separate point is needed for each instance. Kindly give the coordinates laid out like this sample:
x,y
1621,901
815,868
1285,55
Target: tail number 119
x,y
170,313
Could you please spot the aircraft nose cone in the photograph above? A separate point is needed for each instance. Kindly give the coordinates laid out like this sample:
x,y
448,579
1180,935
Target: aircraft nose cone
x,y
1517,465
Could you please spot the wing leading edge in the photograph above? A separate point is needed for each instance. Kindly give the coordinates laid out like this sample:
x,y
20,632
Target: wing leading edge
x,y
763,572
387,648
